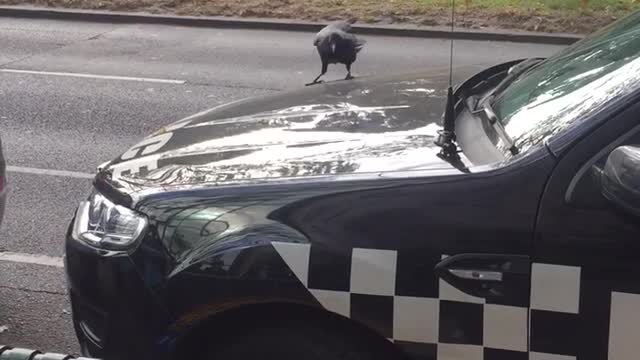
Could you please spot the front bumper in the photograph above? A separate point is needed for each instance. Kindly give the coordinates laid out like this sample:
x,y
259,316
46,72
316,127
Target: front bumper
x,y
115,315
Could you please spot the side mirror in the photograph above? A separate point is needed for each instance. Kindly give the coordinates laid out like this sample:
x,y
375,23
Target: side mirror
x,y
620,179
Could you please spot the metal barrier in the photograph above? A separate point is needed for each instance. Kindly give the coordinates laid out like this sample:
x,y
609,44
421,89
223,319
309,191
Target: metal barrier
x,y
9,353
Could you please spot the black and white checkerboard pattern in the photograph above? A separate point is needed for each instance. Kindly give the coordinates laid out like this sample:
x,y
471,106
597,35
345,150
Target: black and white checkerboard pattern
x,y
442,322
555,305
434,320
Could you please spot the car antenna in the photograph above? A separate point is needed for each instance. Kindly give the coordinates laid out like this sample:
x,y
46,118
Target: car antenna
x,y
447,137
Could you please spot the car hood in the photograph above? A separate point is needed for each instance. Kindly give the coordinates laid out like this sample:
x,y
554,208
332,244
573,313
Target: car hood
x,y
359,126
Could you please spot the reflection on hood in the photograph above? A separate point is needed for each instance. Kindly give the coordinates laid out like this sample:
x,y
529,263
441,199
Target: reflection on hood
x,y
351,127
287,152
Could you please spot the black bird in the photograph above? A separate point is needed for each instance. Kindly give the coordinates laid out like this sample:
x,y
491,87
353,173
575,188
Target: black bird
x,y
337,44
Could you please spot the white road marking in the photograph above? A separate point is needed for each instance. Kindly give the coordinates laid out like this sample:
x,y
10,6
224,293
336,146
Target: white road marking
x,y
32,259
94,76
37,171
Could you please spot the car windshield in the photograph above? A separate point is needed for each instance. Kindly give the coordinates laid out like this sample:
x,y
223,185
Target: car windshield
x,y
564,89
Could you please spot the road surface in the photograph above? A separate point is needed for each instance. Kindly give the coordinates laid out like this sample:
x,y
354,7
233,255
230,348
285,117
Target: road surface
x,y
73,95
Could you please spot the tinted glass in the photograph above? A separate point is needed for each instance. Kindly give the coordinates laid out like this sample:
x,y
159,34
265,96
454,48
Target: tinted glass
x,y
567,87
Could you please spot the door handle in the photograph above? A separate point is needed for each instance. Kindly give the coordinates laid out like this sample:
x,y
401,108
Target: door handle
x,y
477,274
486,275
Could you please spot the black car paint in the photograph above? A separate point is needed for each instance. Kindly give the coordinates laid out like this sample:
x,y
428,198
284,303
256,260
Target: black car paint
x,y
111,303
578,226
208,250
196,282
324,131
174,272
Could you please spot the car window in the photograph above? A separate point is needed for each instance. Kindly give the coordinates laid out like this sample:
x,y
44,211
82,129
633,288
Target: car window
x,y
585,192
567,87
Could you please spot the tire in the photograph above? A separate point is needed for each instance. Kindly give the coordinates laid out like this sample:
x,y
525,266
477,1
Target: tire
x,y
298,340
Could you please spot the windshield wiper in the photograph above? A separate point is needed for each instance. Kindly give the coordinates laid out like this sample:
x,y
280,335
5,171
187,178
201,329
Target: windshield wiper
x,y
514,73
498,126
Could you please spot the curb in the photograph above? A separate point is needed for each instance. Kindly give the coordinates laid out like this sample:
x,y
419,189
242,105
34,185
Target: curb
x,y
276,24
8,353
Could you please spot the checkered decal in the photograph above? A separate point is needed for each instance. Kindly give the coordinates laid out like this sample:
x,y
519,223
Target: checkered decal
x,y
623,326
394,294
442,322
555,308
556,320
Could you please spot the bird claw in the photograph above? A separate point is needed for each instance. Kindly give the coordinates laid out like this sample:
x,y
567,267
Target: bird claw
x,y
314,82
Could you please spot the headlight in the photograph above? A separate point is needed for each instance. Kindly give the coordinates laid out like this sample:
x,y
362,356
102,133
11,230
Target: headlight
x,y
101,223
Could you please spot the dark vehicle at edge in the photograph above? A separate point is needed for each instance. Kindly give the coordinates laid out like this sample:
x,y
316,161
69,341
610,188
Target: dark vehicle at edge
x,y
323,224
3,183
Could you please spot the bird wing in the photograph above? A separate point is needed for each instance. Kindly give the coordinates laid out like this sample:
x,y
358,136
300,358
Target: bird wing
x,y
351,41
323,34
346,46
343,26
360,43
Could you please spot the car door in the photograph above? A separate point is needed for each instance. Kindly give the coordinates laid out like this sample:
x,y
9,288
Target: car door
x,y
585,289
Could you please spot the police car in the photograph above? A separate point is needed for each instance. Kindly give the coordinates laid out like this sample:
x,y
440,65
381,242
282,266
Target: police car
x,y
347,221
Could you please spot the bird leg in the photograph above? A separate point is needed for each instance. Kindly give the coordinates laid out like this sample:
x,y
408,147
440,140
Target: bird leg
x,y
324,71
349,77
315,81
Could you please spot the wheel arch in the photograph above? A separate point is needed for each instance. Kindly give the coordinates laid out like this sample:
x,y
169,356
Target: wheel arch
x,y
229,322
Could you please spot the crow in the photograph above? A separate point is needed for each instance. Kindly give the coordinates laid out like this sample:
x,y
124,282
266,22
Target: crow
x,y
337,44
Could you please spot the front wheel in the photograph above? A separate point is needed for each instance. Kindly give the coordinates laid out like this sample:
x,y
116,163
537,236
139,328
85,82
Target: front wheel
x,y
299,340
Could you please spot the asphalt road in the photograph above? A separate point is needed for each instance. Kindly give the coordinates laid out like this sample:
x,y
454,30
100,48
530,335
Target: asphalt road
x,y
140,78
